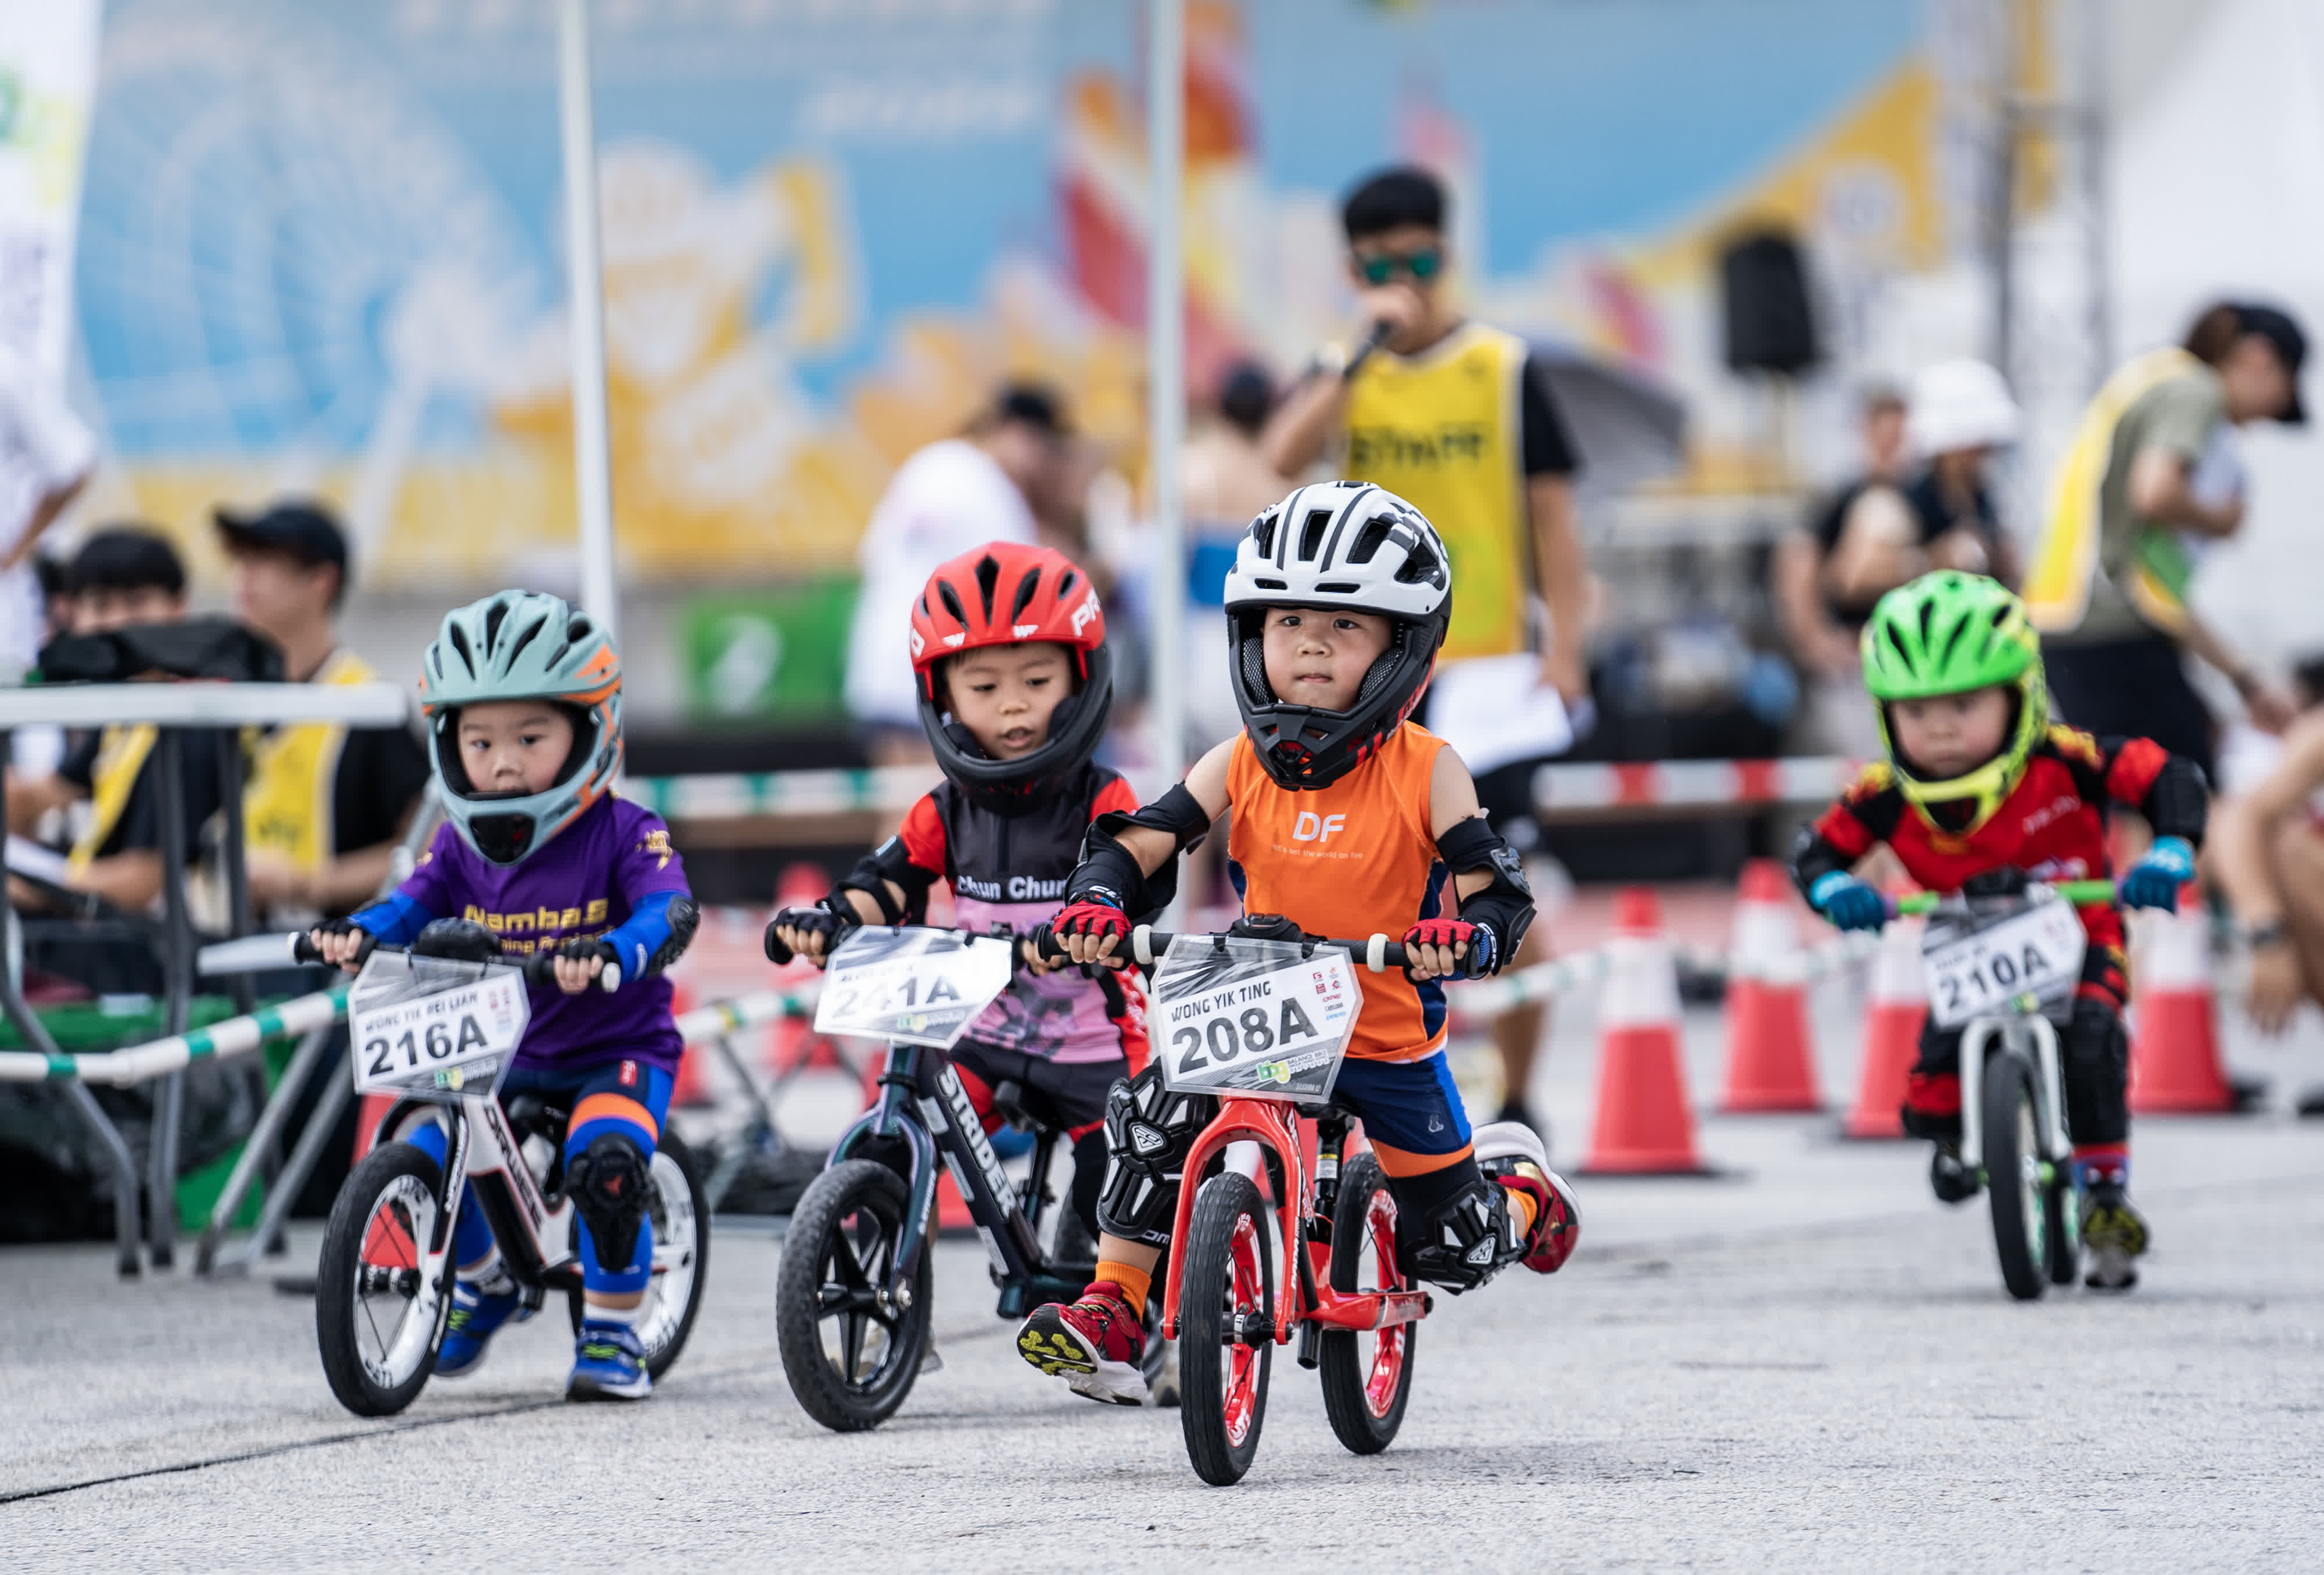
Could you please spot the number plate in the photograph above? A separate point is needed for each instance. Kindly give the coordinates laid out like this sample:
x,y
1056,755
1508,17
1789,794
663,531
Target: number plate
x,y
2036,953
1254,1019
424,1025
912,986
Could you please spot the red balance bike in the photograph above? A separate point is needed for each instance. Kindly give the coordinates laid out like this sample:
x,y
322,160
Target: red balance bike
x,y
1262,1025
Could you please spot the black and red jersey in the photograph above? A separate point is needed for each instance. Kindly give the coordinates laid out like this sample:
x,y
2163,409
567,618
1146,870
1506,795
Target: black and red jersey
x,y
1011,869
2052,824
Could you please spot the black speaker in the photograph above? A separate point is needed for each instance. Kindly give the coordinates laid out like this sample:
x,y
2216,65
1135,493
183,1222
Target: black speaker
x,y
1762,288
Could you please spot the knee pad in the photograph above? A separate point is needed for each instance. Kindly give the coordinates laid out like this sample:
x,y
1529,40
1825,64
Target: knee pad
x,y
1089,1177
1149,1131
609,1183
1453,1227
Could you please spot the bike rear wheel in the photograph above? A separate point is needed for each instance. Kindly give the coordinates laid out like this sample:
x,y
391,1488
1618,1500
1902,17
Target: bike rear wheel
x,y
1228,1283
850,1352
377,1321
678,1214
1367,1374
2013,1170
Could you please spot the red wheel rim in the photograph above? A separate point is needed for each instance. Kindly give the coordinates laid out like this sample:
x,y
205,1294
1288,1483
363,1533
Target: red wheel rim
x,y
1246,1296
1387,1374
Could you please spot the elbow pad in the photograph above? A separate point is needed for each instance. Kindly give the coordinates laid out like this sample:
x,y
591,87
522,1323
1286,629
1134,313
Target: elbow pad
x,y
2178,804
655,935
1812,858
1505,907
889,861
1109,872
1176,812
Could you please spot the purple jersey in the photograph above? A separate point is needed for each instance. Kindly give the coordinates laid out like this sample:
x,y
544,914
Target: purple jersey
x,y
582,882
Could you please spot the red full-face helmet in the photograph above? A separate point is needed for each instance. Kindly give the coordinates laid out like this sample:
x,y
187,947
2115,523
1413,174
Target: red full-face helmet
x,y
1006,593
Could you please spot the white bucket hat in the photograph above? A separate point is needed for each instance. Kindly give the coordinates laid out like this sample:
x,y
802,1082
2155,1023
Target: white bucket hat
x,y
1959,404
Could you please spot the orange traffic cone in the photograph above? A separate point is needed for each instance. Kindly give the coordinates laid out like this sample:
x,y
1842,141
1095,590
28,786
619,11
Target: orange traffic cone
x,y
1895,1005
1770,1048
692,1089
369,1113
1644,1125
2174,1045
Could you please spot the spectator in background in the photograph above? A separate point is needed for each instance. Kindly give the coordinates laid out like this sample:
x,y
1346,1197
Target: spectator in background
x,y
996,483
324,806
1457,418
46,458
1891,526
2266,852
123,576
1227,481
2149,480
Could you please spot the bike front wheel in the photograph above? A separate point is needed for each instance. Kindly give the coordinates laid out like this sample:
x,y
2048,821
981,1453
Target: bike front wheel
x,y
378,1319
2013,1180
1227,1286
1367,1374
851,1348
678,1212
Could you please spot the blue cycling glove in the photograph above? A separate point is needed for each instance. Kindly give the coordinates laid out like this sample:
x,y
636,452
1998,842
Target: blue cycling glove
x,y
1848,903
2156,880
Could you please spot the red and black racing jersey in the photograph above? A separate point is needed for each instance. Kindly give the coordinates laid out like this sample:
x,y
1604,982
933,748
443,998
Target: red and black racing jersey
x,y
1011,869
2053,825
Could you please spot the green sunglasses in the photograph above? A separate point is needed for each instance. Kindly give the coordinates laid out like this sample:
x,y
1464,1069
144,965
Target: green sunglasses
x,y
1382,267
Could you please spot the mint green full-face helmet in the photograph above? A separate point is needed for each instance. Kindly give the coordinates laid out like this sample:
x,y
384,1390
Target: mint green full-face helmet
x,y
522,645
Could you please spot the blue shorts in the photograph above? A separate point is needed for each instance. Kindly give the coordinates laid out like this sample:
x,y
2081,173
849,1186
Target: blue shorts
x,y
1408,1105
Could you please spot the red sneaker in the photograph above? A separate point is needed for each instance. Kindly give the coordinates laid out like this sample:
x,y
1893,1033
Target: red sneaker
x,y
1512,1156
1093,1344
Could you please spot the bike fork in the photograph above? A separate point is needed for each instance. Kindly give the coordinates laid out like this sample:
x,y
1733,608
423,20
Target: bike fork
x,y
1331,1140
893,1118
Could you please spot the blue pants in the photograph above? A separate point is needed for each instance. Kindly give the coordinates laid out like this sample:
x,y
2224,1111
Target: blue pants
x,y
627,1099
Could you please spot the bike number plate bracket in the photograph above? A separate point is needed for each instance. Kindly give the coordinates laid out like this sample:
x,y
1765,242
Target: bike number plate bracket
x,y
1253,1019
2037,953
423,1025
912,986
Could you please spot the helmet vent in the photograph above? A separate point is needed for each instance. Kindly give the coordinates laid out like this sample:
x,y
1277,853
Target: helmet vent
x,y
1272,585
951,599
578,631
1952,643
1369,540
460,644
988,578
516,648
1311,534
1026,590
1065,584
1262,530
1419,565
494,618
1339,587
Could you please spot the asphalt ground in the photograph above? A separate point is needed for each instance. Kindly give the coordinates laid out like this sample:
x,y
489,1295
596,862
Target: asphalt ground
x,y
1806,1363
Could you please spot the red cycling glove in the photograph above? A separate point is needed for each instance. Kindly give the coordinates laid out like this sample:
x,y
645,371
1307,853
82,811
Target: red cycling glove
x,y
1090,918
1450,933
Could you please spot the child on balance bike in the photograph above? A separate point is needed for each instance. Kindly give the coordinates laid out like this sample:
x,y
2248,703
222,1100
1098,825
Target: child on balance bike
x,y
1348,820
1978,781
522,694
1016,686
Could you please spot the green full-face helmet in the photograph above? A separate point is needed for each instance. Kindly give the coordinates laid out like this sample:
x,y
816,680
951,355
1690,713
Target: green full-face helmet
x,y
1947,633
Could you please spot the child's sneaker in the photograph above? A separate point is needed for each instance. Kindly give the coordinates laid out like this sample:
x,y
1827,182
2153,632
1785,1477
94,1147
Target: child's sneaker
x,y
609,1363
476,1316
1949,1178
1511,1156
2115,1235
1095,1344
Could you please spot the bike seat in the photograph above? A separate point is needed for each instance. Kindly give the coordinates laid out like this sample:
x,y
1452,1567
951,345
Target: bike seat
x,y
529,1115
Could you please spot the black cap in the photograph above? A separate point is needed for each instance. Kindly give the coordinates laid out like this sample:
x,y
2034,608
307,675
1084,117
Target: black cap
x,y
2291,347
296,528
127,558
1034,404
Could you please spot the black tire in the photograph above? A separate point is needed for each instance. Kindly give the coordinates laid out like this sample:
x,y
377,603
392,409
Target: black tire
x,y
2012,1171
679,1215
843,1236
1228,1273
1367,1375
2063,1236
377,1324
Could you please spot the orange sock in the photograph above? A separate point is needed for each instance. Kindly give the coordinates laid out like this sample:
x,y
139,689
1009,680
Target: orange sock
x,y
1134,1282
1524,1206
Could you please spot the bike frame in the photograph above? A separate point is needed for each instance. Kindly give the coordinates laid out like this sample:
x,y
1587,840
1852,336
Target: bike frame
x,y
923,1105
1304,1301
2032,1035
482,1151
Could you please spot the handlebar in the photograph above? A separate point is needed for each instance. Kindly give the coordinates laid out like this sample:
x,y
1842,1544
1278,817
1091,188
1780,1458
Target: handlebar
x,y
2077,892
539,968
1147,945
779,954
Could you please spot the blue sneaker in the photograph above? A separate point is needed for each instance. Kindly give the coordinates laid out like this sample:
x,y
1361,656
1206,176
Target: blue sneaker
x,y
476,1318
609,1363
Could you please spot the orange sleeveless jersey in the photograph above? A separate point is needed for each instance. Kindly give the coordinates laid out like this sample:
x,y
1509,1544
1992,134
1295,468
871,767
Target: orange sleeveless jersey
x,y
1350,860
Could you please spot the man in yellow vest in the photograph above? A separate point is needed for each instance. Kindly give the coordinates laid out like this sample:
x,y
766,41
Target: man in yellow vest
x,y
324,804
1457,418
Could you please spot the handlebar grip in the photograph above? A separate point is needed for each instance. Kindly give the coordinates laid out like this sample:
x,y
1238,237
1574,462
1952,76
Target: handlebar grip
x,y
777,953
540,968
303,950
